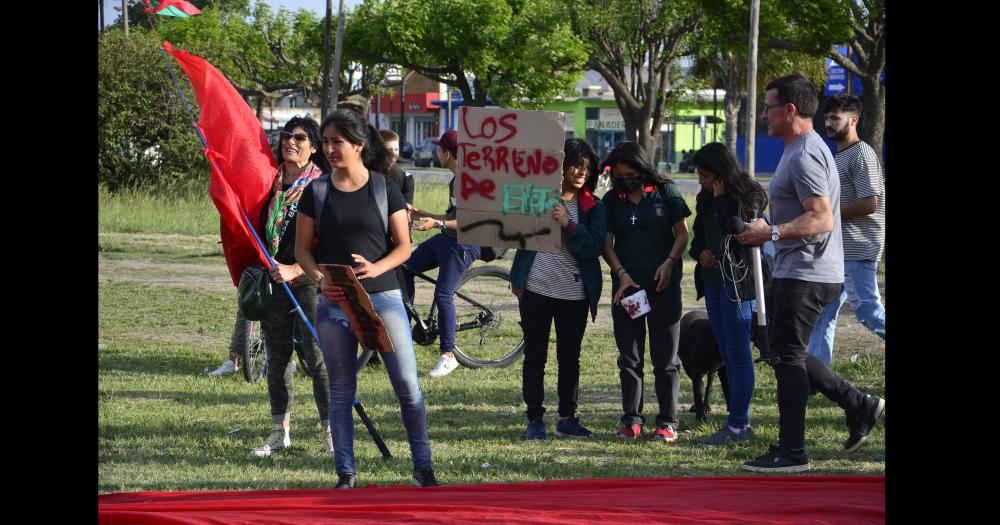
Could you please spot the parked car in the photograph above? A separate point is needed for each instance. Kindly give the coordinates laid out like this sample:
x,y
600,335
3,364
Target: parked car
x,y
426,155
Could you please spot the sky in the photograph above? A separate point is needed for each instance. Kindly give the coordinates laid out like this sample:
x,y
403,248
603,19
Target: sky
x,y
316,6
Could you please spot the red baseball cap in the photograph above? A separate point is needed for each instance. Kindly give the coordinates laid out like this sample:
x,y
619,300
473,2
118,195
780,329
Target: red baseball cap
x,y
448,141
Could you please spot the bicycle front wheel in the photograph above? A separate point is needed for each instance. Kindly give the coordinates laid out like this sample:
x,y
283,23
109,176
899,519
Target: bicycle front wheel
x,y
488,334
253,354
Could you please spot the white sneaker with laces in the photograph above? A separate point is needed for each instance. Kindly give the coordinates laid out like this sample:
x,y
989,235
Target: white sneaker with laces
x,y
328,439
276,440
444,366
227,368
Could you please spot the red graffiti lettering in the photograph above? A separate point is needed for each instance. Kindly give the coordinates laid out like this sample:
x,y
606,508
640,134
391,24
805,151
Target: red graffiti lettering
x,y
513,129
484,188
518,161
501,159
535,162
488,157
471,158
488,127
550,165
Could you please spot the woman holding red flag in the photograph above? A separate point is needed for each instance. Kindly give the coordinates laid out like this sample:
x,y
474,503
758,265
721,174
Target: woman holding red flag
x,y
299,163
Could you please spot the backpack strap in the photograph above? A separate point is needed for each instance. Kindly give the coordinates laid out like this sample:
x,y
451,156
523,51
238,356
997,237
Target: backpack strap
x,y
378,188
320,187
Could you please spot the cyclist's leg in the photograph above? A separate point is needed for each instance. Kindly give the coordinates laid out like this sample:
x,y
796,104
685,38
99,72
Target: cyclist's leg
x,y
422,259
454,260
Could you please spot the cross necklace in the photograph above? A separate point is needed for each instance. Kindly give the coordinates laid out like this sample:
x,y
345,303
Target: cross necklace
x,y
634,209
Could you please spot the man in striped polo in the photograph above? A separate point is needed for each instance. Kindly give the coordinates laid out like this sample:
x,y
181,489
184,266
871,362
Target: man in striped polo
x,y
862,216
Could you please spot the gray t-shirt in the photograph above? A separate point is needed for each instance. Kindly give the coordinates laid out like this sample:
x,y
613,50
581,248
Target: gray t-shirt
x,y
807,168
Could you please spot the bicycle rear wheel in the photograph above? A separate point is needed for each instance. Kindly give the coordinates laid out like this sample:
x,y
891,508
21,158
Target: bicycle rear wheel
x,y
253,354
488,334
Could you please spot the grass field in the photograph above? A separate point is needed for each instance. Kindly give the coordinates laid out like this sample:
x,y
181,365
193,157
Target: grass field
x,y
166,311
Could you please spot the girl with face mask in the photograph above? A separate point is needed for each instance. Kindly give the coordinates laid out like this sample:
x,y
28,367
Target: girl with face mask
x,y
647,233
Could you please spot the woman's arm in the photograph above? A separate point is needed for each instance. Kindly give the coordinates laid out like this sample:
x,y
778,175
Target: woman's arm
x,y
662,274
304,229
586,239
624,279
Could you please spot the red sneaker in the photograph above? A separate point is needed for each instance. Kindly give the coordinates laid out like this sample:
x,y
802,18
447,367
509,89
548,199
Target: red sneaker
x,y
629,431
666,434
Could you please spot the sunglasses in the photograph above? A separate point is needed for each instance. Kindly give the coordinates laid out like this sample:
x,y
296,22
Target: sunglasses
x,y
299,137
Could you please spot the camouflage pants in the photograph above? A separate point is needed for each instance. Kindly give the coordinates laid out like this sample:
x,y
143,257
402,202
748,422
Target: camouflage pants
x,y
277,326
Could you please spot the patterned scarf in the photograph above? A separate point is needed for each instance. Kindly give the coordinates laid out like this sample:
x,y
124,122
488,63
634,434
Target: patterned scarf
x,y
277,211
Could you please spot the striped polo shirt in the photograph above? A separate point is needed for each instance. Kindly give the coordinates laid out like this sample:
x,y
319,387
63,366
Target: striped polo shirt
x,y
557,275
861,176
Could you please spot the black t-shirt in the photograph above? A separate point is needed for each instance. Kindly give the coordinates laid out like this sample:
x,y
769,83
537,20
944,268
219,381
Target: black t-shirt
x,y
351,225
286,246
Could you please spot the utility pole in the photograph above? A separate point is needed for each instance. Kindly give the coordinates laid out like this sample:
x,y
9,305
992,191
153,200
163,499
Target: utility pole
x,y
125,16
402,105
337,53
100,9
324,104
752,86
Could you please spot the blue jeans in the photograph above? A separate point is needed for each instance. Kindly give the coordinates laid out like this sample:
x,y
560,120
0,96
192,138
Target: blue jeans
x,y
454,259
340,352
731,323
861,289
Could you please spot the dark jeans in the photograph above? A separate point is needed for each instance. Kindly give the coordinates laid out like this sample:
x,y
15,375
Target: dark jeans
x,y
537,314
454,259
793,307
277,329
663,322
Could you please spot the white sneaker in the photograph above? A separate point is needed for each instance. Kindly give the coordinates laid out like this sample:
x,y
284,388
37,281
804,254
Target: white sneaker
x,y
276,440
328,439
227,368
444,366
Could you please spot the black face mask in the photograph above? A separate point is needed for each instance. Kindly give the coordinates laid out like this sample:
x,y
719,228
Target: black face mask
x,y
628,184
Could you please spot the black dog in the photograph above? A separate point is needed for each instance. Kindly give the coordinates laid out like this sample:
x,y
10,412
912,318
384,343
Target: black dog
x,y
699,355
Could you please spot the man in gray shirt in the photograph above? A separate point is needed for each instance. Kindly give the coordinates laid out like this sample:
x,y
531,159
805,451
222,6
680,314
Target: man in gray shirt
x,y
808,274
862,202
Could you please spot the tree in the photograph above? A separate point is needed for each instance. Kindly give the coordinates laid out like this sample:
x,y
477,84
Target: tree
x,y
634,45
861,25
144,135
516,52
722,55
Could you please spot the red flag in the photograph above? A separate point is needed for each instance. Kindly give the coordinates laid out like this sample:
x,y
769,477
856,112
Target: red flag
x,y
181,5
240,148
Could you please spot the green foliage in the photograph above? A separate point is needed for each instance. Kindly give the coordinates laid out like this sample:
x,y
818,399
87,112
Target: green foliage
x,y
520,52
144,135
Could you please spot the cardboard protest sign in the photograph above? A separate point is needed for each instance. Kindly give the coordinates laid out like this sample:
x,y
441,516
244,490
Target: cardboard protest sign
x,y
365,322
510,172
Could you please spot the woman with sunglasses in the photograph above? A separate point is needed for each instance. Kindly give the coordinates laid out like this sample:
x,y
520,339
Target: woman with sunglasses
x,y
351,232
647,234
723,275
299,163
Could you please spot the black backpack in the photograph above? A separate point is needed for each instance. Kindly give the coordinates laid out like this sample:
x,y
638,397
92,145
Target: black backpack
x,y
254,293
377,190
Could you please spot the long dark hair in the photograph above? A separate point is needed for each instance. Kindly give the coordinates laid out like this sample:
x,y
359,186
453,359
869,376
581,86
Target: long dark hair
x,y
350,124
631,153
715,157
579,151
309,125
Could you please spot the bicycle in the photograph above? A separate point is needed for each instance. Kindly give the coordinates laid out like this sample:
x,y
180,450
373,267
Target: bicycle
x,y
253,354
488,334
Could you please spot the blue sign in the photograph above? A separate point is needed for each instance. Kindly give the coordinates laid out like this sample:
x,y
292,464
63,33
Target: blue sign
x,y
836,77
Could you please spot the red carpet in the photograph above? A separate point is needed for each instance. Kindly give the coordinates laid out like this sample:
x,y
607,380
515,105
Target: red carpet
x,y
792,499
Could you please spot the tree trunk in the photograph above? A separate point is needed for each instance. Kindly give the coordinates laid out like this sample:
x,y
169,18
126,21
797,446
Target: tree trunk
x,y
873,114
731,108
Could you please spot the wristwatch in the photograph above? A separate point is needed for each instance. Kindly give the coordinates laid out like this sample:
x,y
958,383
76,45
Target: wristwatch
x,y
774,233
440,225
